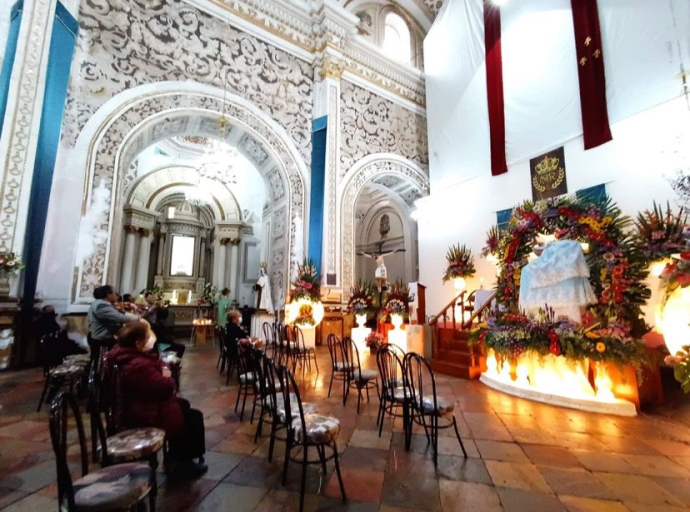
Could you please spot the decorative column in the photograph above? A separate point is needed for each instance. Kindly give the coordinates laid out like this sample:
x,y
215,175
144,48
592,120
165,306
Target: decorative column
x,y
202,255
215,249
143,260
233,267
334,26
161,251
221,262
127,280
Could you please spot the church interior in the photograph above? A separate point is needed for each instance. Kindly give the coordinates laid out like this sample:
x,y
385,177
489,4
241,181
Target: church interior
x,y
471,214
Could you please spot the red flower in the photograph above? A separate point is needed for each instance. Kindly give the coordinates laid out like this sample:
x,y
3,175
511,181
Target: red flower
x,y
685,255
555,348
553,337
683,280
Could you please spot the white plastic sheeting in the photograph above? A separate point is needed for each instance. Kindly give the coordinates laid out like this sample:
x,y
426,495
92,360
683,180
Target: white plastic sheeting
x,y
645,42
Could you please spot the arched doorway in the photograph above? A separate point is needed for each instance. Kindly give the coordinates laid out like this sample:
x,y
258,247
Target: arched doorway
x,y
377,172
139,118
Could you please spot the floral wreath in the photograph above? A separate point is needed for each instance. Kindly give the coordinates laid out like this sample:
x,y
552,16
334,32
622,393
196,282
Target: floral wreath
x,y
460,263
307,285
361,301
612,326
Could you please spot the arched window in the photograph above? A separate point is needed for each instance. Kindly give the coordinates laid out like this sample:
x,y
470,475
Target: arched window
x,y
396,38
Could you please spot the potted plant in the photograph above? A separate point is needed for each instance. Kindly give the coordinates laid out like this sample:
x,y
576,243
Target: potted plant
x,y
374,341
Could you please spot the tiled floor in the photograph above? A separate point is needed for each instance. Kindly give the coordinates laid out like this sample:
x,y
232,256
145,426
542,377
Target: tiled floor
x,y
523,456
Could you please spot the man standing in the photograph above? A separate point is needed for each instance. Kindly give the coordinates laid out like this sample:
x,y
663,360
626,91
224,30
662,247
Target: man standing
x,y
105,320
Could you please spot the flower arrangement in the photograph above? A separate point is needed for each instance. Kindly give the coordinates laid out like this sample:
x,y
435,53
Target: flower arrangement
x,y
208,294
361,301
10,263
305,316
617,264
660,234
374,340
460,263
397,300
493,241
513,335
681,367
676,275
306,286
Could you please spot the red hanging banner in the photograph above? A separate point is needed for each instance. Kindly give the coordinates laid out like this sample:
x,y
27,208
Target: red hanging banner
x,y
494,87
590,66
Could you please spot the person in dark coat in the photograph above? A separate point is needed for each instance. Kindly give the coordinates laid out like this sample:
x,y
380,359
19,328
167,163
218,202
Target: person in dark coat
x,y
235,331
148,397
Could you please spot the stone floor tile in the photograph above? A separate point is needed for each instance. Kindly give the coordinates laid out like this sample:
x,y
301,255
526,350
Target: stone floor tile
x,y
360,485
221,464
31,479
364,458
258,472
32,503
9,496
627,445
575,482
507,452
284,501
656,465
333,505
641,507
639,489
517,476
406,488
669,448
457,496
183,495
528,435
370,439
678,487
607,462
227,496
519,500
467,470
579,504
554,456
388,508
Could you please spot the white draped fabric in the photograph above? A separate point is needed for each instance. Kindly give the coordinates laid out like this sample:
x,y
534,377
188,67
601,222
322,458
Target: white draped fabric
x,y
559,278
644,43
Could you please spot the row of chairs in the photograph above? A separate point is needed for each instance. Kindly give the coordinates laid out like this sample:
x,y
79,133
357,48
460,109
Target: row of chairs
x,y
346,367
292,421
128,458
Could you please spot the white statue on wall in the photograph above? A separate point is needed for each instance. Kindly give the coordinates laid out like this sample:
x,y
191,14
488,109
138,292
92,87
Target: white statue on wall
x,y
559,278
264,283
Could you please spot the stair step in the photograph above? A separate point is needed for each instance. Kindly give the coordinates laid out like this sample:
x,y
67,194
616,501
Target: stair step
x,y
454,356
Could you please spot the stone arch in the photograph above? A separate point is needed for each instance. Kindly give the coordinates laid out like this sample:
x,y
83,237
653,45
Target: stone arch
x,y
365,170
138,117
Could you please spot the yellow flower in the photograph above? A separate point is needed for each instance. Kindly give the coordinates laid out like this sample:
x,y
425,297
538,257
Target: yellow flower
x,y
593,335
601,347
607,220
483,325
603,274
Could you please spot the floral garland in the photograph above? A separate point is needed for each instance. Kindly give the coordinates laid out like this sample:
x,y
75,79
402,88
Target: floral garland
x,y
361,301
617,265
305,317
397,300
676,275
10,263
460,263
660,234
208,293
307,285
513,335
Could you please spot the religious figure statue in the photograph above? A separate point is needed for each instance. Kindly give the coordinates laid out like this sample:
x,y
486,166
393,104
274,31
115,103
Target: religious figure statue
x,y
264,285
381,274
559,278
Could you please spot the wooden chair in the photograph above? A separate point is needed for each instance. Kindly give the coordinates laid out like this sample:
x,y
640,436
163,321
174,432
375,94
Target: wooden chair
x,y
357,378
427,408
113,488
306,431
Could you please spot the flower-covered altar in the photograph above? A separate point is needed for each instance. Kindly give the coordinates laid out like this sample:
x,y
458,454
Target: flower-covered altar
x,y
586,351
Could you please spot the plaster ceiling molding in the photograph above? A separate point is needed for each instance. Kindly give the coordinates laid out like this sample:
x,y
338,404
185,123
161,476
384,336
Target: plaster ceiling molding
x,y
422,11
371,124
123,45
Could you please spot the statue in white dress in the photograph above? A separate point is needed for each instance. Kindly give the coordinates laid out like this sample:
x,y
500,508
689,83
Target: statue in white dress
x,y
265,301
559,278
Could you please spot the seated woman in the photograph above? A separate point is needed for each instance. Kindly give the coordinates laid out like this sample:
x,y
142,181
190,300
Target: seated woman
x,y
148,398
234,327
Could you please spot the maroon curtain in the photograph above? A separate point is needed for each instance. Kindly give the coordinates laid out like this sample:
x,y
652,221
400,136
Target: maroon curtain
x,y
590,66
494,87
